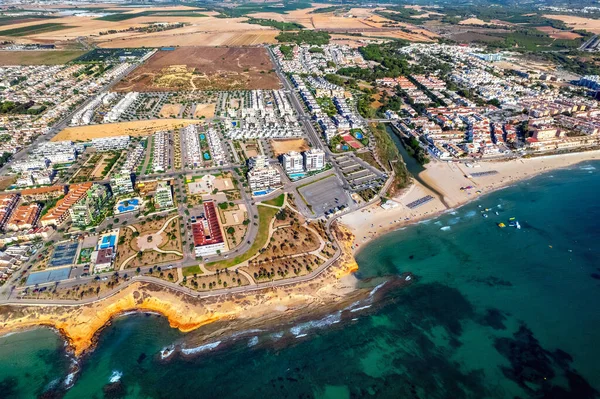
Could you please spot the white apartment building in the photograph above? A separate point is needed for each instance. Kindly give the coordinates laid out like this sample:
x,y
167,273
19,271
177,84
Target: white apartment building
x,y
263,178
111,143
314,159
121,184
292,162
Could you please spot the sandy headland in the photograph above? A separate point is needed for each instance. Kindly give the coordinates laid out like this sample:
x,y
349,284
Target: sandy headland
x,y
443,181
81,323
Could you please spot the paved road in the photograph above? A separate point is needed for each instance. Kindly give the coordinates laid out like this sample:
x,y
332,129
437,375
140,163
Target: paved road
x,y
189,259
63,123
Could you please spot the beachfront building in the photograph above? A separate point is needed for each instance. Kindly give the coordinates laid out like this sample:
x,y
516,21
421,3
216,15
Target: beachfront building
x,y
292,162
206,231
121,184
163,198
90,205
314,159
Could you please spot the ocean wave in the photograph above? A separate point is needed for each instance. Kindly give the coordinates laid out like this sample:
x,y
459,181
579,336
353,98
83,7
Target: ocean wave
x,y
453,213
166,352
360,308
377,287
252,341
115,376
322,323
277,336
68,382
445,228
352,305
201,348
438,223
470,214
454,220
587,167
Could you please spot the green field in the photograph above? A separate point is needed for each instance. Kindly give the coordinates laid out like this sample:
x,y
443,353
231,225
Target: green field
x,y
265,215
190,271
34,29
277,201
50,57
172,13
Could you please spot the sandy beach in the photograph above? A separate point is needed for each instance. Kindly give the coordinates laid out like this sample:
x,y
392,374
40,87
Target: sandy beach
x,y
447,179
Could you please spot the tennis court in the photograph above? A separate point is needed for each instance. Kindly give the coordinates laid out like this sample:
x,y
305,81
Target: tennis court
x,y
48,276
64,254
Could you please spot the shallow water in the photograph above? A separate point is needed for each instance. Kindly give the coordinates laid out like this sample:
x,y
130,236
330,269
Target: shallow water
x,y
492,313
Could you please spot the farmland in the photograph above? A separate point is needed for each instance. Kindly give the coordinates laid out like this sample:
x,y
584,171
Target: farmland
x,y
38,57
34,29
188,68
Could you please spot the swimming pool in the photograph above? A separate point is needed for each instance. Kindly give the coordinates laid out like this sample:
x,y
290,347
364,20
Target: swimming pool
x,y
202,136
263,192
128,205
107,242
206,156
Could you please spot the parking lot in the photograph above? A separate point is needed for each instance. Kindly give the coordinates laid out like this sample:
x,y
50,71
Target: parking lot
x,y
321,195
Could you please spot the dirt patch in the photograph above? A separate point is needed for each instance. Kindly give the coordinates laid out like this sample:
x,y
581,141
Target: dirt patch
x,y
204,110
137,128
558,34
285,146
169,110
189,68
589,24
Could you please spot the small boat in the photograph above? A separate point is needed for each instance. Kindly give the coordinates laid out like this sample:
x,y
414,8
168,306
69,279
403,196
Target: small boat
x,y
487,209
408,278
518,225
513,218
512,224
485,215
501,225
497,213
479,206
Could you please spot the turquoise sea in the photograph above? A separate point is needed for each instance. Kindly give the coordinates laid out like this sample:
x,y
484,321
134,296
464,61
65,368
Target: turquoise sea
x,y
490,313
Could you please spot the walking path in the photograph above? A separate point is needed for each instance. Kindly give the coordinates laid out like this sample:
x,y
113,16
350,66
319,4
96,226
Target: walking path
x,y
142,242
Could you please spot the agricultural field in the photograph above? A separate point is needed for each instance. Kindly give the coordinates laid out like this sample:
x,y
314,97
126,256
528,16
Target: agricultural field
x,y
135,129
589,24
34,29
50,57
195,68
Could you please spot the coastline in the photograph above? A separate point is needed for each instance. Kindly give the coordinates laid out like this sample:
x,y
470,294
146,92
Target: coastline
x,y
447,179
81,325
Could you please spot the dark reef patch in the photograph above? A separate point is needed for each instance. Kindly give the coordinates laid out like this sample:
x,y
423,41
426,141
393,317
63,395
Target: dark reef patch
x,y
493,318
535,368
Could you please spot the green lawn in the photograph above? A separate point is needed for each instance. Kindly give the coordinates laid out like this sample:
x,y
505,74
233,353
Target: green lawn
x,y
265,215
278,201
34,29
190,271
